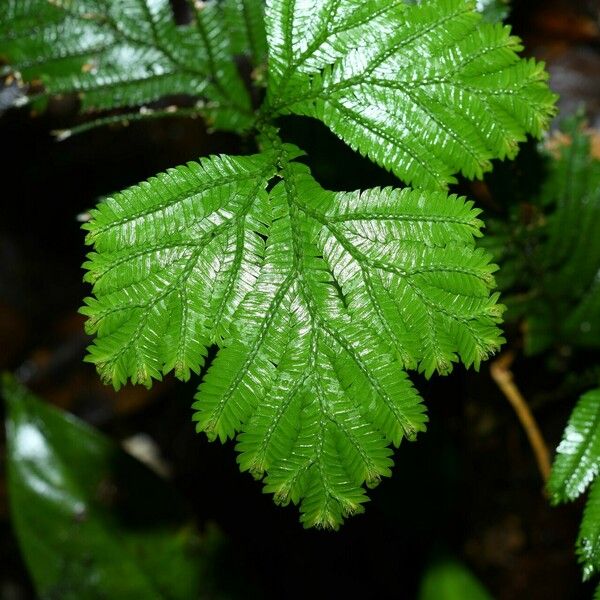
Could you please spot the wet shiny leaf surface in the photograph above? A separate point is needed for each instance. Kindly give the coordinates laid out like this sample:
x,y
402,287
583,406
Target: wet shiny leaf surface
x,y
128,54
318,301
426,91
92,522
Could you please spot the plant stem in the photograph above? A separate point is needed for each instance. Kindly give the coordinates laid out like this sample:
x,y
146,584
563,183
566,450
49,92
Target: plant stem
x,y
502,375
143,114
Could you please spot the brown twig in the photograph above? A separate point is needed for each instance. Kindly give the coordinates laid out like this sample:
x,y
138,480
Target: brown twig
x,y
502,375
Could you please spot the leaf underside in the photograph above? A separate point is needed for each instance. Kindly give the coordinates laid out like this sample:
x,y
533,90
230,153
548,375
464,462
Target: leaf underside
x,y
317,300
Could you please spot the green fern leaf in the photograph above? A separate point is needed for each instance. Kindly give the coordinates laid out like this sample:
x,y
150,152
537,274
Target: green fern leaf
x,y
571,254
317,300
425,91
588,541
126,53
576,467
245,21
493,11
171,254
556,256
578,455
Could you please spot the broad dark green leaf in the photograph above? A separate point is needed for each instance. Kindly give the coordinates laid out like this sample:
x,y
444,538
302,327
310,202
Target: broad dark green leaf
x,y
92,522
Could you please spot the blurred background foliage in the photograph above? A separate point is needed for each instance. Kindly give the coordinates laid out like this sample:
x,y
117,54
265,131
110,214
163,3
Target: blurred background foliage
x,y
468,490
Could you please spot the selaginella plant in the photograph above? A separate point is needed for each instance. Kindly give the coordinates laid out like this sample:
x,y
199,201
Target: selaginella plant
x,y
551,264
319,302
575,470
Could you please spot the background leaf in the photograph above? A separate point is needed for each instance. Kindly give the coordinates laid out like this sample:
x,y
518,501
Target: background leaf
x,y
451,580
549,248
127,53
92,522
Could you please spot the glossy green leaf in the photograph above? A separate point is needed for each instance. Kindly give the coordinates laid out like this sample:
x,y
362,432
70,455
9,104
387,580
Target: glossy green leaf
x,y
493,11
576,468
577,460
588,541
426,91
123,53
174,258
451,580
317,299
92,522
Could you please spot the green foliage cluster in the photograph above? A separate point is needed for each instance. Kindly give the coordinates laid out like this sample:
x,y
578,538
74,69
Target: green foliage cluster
x,y
551,259
129,53
551,262
319,302
577,467
571,287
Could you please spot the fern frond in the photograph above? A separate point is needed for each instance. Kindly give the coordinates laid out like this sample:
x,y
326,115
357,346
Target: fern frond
x,y
492,11
124,54
550,259
578,455
314,324
572,251
245,22
576,467
174,256
588,541
426,91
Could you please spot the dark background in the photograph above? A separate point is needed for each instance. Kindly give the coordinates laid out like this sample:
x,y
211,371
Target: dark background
x,y
469,487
